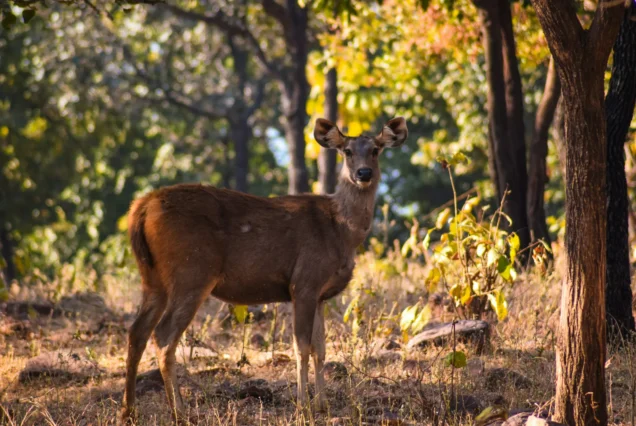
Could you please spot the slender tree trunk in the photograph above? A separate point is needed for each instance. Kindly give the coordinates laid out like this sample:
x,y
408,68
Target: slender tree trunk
x,y
516,128
538,152
327,157
581,57
295,92
7,253
558,134
241,134
505,110
619,111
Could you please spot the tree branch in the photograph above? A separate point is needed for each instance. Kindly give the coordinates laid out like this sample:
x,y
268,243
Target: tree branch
x,y
604,28
258,97
223,22
562,29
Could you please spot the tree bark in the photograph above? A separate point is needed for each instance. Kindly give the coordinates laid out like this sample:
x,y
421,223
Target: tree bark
x,y
505,113
558,134
241,133
581,56
538,152
327,157
295,93
619,111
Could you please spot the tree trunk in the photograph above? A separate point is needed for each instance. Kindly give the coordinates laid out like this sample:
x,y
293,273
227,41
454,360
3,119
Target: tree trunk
x,y
507,159
241,133
516,128
538,152
7,253
327,157
295,92
558,134
619,111
581,57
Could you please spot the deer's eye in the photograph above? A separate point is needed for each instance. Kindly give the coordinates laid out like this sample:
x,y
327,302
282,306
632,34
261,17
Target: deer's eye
x,y
376,151
348,152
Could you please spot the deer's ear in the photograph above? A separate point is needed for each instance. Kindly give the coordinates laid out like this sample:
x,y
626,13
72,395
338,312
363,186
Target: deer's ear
x,y
327,134
393,133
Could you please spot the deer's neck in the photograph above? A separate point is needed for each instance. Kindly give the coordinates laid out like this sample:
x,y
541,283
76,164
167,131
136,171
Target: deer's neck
x,y
355,209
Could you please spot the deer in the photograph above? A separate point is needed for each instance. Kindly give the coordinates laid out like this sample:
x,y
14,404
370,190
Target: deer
x,y
192,240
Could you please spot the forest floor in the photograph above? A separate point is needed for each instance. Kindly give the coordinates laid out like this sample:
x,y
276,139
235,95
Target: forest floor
x,y
63,363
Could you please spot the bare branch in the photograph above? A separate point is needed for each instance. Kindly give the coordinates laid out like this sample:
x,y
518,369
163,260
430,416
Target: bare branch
x,y
258,97
562,29
605,26
275,10
223,22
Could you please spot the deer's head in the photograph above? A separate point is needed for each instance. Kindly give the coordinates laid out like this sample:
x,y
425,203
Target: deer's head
x,y
361,152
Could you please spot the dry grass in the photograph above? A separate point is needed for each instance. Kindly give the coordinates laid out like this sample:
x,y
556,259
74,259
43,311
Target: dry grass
x,y
412,386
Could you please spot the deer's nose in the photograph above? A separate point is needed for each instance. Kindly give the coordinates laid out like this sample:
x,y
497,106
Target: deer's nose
x,y
365,174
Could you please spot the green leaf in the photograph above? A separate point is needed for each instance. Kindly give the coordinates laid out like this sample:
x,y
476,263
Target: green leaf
x,y
424,4
240,313
427,240
456,359
27,15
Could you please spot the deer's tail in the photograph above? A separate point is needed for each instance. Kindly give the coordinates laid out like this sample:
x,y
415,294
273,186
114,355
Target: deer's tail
x,y
136,223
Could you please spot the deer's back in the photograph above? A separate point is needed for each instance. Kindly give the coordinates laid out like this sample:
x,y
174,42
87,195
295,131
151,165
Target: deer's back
x,y
251,246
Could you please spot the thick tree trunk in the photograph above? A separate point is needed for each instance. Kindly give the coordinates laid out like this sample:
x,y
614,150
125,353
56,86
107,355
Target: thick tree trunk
x,y
581,341
505,111
538,152
581,57
7,254
619,111
327,157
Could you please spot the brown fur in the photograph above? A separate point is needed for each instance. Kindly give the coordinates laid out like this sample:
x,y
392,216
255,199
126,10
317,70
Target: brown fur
x,y
193,240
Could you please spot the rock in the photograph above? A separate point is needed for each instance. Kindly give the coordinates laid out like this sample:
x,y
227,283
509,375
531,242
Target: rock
x,y
464,404
150,381
195,352
529,419
473,331
384,357
385,418
335,371
26,310
62,364
258,314
498,378
223,338
415,368
278,359
258,388
87,303
258,341
340,421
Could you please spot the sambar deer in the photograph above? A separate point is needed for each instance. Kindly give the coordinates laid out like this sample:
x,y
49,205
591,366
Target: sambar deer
x,y
193,240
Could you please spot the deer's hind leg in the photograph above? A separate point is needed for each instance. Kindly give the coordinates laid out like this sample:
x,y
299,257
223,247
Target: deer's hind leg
x,y
152,306
318,352
183,304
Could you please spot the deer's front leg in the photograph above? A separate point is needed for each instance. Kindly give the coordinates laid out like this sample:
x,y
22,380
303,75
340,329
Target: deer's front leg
x,y
304,311
318,352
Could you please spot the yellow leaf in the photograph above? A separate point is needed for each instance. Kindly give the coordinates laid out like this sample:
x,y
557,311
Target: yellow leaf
x,y
421,320
492,258
442,218
240,313
407,317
